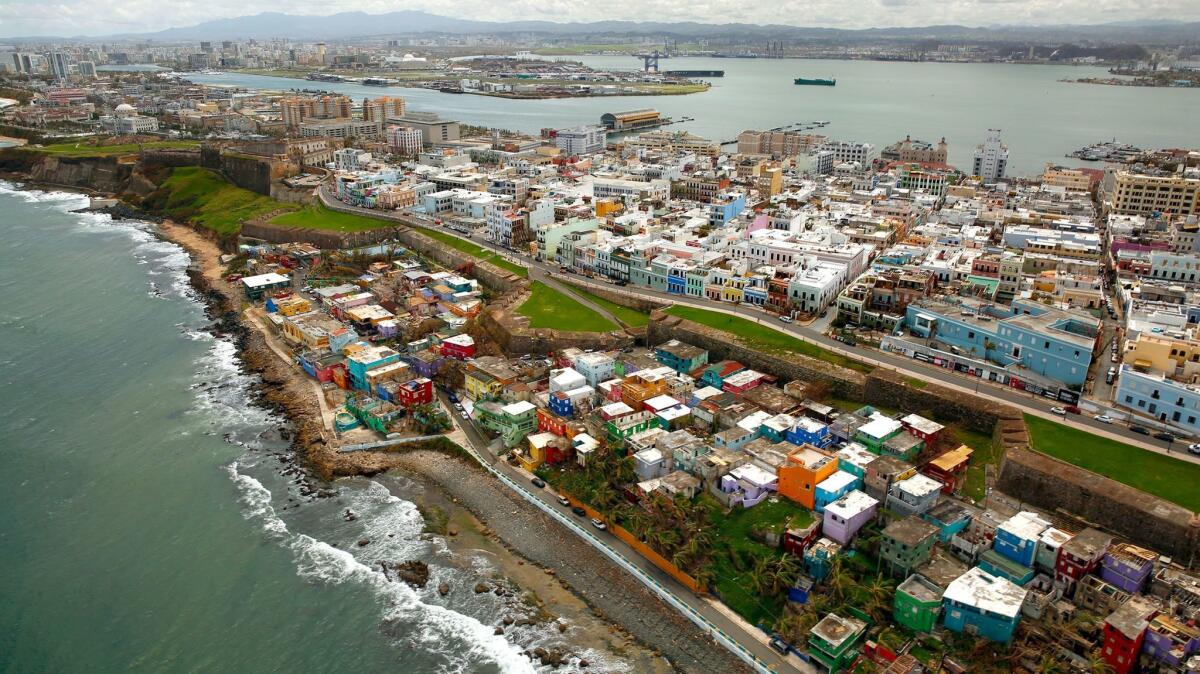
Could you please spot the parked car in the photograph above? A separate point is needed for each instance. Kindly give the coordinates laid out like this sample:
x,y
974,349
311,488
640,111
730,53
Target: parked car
x,y
1059,411
778,644
785,319
598,524
622,283
1073,409
1194,448
538,482
1140,429
579,511
562,500
1103,418
1165,436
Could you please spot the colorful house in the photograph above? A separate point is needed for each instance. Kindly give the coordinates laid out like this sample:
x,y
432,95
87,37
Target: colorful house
x,y
928,431
681,357
805,467
365,358
715,374
415,392
1124,633
998,565
1017,538
845,516
877,431
458,347
914,495
618,430
854,458
797,540
595,367
834,642
917,604
639,387
513,422
1081,556
883,472
983,604
906,544
807,430
949,517
1171,641
950,468
833,488
748,485
818,558
1127,566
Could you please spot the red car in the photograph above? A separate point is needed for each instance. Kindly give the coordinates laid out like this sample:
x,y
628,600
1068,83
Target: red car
x,y
1073,409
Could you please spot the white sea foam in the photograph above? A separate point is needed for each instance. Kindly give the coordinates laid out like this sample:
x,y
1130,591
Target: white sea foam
x,y
461,640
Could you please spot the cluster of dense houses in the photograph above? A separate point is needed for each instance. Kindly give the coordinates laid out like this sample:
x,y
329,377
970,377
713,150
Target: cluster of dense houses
x,y
691,425
352,335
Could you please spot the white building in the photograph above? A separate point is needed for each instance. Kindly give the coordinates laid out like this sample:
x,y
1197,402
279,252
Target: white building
x,y
651,190
404,140
812,290
991,158
850,152
581,139
351,159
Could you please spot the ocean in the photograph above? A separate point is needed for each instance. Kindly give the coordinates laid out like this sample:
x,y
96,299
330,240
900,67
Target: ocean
x,y
151,519
1041,119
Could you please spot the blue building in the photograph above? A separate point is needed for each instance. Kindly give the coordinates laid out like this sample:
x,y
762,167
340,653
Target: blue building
x,y
987,605
724,208
1053,343
810,431
949,517
561,404
1017,538
833,488
368,358
683,358
998,565
1164,399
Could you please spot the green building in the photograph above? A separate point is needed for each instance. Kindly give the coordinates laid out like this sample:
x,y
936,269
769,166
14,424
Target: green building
x,y
917,604
835,641
512,422
905,545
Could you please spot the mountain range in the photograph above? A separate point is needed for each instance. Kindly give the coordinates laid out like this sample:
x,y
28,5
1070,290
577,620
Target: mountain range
x,y
345,25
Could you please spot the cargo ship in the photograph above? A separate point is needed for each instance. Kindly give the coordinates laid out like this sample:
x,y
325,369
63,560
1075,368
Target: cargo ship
x,y
817,81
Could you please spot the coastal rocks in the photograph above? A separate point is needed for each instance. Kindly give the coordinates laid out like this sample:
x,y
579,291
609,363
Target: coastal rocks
x,y
452,530
480,588
364,542
549,658
498,631
444,589
416,573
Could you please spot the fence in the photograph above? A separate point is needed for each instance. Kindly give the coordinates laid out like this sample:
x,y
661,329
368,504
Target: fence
x,y
718,635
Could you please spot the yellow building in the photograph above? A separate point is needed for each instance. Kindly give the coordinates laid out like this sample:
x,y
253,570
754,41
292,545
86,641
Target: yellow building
x,y
1166,355
1139,193
606,207
770,181
313,329
292,306
1072,180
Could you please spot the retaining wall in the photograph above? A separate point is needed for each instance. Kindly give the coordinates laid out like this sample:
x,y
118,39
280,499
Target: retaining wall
x,y
1142,518
843,382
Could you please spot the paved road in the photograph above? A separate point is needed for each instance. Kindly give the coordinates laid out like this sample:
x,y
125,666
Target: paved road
x,y
752,639
1026,402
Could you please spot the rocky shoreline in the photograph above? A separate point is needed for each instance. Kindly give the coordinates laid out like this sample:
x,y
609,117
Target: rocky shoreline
x,y
612,594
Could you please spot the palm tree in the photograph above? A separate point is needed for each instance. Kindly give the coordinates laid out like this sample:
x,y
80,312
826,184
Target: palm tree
x,y
604,496
760,577
879,598
1096,664
639,525
839,579
704,577
787,569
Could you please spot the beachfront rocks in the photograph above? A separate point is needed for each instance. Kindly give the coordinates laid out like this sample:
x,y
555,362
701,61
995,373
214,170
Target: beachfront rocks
x,y
364,542
480,588
414,572
581,567
444,589
498,631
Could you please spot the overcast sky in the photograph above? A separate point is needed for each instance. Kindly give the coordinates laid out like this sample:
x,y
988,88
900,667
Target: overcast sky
x,y
100,17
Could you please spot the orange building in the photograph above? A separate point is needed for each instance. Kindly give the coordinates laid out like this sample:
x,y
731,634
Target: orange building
x,y
805,467
642,386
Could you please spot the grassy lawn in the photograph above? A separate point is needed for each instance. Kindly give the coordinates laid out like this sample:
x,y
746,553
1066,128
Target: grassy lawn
x,y
84,149
762,337
986,454
476,251
548,308
204,197
317,216
1161,475
916,383
630,317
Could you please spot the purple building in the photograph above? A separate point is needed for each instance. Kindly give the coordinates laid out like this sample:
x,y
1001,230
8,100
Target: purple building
x,y
424,363
845,516
1170,641
1127,566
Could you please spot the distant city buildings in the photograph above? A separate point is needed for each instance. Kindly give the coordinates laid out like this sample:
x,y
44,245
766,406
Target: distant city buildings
x,y
990,160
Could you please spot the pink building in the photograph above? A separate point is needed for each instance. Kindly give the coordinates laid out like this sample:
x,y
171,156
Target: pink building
x,y
845,516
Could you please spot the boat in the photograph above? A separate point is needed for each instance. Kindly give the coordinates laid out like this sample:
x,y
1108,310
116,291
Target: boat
x,y
816,81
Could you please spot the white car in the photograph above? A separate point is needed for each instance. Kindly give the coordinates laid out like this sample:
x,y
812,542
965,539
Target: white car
x,y
1194,448
785,319
1103,418
598,524
1059,411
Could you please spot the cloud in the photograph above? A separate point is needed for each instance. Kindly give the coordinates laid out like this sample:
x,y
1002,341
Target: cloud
x,y
99,17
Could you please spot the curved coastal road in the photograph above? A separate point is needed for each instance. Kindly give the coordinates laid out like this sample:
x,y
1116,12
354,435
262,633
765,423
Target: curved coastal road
x,y
1026,402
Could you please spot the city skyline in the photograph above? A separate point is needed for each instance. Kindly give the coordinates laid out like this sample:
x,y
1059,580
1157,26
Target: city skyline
x,y
74,18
